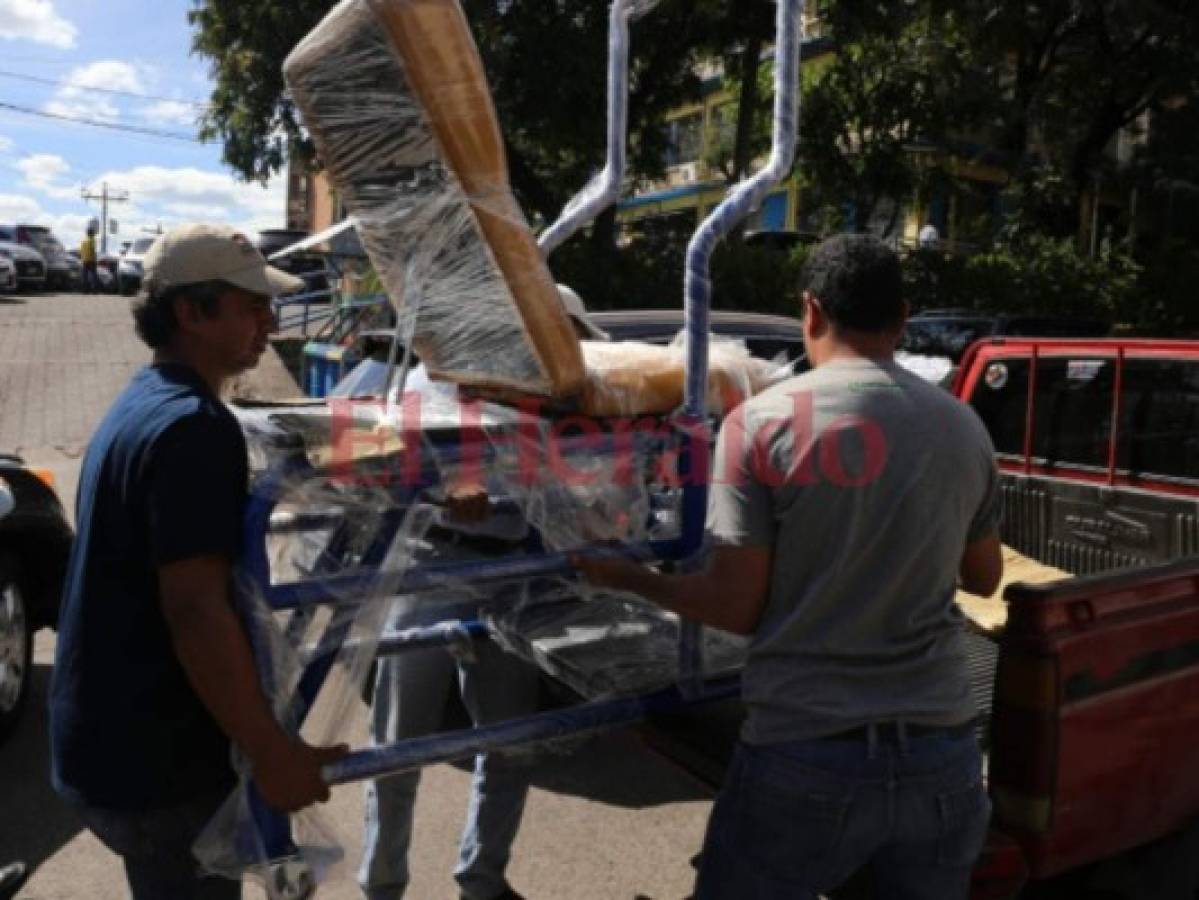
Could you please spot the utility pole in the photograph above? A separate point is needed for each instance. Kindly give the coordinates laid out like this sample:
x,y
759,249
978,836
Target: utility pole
x,y
105,197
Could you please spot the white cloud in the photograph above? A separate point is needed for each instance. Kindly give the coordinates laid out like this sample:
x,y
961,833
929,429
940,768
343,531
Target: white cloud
x,y
170,112
6,144
78,97
158,196
37,21
110,74
45,172
184,191
68,227
18,208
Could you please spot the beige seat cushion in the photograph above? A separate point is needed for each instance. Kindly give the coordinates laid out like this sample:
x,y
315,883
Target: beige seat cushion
x,y
990,613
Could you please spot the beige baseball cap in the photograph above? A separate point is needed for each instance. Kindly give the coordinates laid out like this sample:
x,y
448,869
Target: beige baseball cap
x,y
190,254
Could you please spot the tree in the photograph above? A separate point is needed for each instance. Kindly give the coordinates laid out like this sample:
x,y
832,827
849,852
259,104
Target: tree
x,y
249,112
1074,73
894,86
545,62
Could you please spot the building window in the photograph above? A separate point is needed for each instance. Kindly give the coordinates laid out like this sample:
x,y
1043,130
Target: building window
x,y
684,138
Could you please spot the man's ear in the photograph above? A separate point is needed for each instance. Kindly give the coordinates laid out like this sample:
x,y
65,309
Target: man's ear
x,y
815,321
187,314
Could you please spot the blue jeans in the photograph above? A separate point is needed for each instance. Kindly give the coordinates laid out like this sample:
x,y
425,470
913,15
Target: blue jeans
x,y
91,280
155,846
410,697
795,820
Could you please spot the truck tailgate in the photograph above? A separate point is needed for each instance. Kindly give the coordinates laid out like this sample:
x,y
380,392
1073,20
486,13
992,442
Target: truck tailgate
x,y
1097,714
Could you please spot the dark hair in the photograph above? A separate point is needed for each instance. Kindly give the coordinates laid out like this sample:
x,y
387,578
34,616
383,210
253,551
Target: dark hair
x,y
857,280
154,309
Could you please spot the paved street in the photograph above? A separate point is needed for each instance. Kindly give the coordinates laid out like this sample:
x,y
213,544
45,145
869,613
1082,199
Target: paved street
x,y
613,820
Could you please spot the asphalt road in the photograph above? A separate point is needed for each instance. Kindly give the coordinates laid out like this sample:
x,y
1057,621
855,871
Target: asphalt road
x,y
613,819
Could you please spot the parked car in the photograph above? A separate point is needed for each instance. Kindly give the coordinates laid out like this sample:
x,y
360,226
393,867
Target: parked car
x,y
107,266
42,239
35,540
8,275
948,332
31,268
76,270
304,263
129,266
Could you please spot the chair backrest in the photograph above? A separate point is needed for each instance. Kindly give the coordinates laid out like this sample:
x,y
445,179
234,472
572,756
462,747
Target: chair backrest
x,y
394,96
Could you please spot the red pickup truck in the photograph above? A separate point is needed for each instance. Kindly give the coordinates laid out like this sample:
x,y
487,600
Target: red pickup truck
x,y
1093,740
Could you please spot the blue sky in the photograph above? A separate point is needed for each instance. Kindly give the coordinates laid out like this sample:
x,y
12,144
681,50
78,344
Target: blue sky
x,y
140,47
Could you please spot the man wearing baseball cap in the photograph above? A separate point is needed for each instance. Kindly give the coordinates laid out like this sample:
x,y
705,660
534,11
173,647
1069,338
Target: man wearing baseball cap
x,y
153,675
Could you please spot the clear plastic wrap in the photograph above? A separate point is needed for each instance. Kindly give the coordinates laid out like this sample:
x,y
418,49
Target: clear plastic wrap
x,y
627,378
357,488
321,526
394,96
602,644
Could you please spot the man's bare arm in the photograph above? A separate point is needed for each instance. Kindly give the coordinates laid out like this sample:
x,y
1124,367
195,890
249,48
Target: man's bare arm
x,y
981,569
729,593
213,648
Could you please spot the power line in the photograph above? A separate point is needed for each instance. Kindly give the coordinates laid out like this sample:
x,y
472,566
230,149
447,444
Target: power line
x,y
97,123
58,82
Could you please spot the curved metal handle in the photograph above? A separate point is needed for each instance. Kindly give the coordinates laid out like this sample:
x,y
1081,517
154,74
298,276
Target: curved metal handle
x,y
604,190
697,286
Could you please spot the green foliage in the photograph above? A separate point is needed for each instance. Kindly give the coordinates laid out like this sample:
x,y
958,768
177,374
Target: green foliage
x,y
1165,303
645,273
648,272
1075,73
1039,275
875,116
756,279
246,44
546,67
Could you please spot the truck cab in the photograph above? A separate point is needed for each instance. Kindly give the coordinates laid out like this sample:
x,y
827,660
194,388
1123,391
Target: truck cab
x,y
1098,442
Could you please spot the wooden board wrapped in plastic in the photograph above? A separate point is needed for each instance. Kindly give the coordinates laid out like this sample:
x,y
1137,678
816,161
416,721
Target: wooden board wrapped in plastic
x,y
394,97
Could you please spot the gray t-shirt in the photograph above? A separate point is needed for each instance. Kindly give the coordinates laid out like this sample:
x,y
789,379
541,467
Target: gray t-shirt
x,y
868,482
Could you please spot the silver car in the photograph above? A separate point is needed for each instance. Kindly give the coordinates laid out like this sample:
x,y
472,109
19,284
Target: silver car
x,y
8,275
31,268
129,269
42,240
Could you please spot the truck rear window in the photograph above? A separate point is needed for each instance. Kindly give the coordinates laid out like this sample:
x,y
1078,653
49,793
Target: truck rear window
x,y
1000,398
1159,419
1072,424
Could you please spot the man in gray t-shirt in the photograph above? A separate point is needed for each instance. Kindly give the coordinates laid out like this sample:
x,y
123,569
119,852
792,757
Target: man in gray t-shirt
x,y
846,506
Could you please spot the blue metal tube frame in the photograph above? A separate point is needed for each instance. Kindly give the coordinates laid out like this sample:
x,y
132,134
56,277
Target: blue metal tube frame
x,y
594,716
697,289
594,198
697,286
